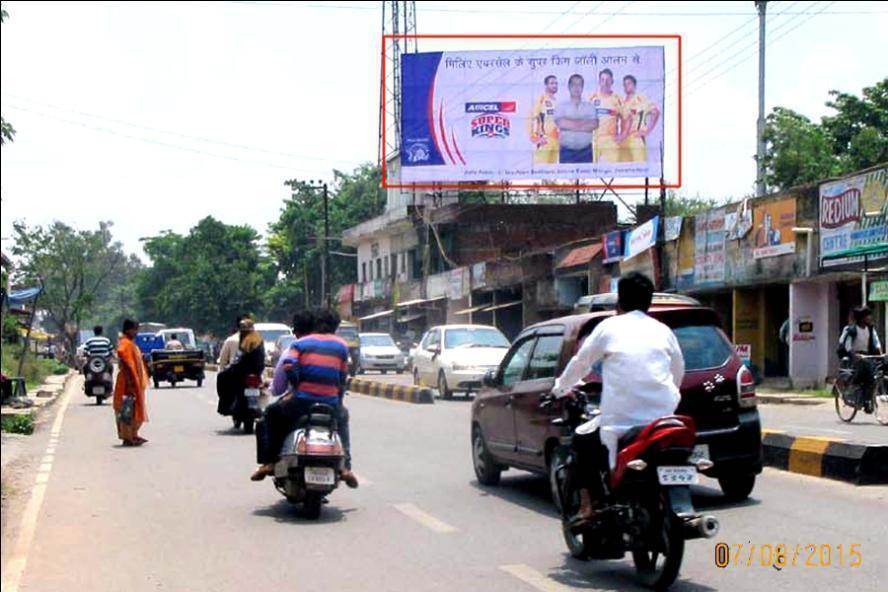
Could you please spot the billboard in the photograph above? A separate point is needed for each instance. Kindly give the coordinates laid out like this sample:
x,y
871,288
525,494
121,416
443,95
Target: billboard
x,y
853,213
709,246
571,114
772,225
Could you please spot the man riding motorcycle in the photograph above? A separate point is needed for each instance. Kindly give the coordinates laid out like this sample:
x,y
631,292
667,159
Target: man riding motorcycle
x,y
250,360
316,367
642,369
230,346
98,345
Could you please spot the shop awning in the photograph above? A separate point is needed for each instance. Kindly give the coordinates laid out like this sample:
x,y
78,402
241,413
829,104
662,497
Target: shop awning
x,y
580,256
412,317
874,250
377,315
22,297
504,305
420,301
471,310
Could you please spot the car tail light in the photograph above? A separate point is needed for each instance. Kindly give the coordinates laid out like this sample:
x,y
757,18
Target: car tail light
x,y
253,381
746,388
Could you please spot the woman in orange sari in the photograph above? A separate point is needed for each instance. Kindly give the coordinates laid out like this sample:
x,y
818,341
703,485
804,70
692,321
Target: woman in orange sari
x,y
132,379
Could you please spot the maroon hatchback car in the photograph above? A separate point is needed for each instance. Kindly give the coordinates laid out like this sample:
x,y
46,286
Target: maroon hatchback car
x,y
510,430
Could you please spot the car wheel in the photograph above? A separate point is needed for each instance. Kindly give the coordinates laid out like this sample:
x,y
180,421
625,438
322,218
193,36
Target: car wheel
x,y
199,382
486,469
737,487
443,391
156,383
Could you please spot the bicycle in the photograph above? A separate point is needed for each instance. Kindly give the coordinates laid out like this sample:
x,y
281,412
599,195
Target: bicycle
x,y
848,396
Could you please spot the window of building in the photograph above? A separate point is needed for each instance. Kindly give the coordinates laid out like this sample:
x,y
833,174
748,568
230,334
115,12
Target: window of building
x,y
364,272
379,269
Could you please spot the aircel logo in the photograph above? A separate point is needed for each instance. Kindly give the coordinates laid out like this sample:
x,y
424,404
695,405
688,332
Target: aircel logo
x,y
838,210
491,107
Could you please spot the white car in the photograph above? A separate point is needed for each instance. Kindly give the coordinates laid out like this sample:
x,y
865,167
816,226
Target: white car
x,y
456,357
379,352
270,333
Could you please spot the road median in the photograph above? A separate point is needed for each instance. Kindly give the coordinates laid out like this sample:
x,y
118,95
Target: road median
x,y
854,462
395,392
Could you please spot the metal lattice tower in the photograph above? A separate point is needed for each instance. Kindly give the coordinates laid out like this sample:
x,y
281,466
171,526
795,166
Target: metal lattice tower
x,y
398,18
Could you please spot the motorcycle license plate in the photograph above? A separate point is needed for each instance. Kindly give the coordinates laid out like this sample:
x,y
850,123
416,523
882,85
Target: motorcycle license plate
x,y
678,475
178,368
98,390
251,393
700,452
319,476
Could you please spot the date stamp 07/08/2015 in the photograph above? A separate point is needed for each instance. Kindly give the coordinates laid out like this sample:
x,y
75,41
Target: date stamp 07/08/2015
x,y
780,555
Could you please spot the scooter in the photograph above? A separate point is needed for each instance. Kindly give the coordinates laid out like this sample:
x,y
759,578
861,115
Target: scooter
x,y
246,409
311,460
97,378
648,509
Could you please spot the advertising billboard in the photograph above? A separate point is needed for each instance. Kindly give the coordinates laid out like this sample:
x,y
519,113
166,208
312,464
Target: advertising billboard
x,y
772,225
709,246
471,116
853,214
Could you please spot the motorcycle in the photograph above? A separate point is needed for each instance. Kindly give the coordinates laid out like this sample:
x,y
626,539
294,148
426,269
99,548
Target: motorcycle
x,y
647,508
311,460
246,409
97,378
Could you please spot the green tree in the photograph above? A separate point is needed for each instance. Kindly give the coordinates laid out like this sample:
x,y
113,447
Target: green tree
x,y
6,130
798,150
74,267
117,298
295,241
205,279
854,137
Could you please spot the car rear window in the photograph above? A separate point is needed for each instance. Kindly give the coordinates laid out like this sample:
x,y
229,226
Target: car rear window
x,y
703,346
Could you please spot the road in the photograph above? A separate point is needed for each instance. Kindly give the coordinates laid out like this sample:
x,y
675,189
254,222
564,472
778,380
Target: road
x,y
181,514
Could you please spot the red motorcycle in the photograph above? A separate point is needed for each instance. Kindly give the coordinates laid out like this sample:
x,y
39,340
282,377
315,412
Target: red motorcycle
x,y
648,509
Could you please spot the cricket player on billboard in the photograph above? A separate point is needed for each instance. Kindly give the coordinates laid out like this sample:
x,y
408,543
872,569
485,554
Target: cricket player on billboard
x,y
608,108
576,121
543,131
639,117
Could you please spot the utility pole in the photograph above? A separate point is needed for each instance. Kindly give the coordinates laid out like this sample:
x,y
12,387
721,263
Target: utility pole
x,y
325,270
760,188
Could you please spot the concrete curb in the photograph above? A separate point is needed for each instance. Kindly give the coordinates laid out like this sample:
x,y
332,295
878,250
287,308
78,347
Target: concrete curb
x,y
861,464
43,396
395,392
771,399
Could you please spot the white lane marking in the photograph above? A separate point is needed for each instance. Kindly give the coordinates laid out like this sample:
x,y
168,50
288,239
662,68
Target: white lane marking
x,y
15,567
535,579
425,519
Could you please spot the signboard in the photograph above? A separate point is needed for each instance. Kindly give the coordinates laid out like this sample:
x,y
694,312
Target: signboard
x,y
853,214
642,238
456,283
744,352
709,247
772,228
531,114
673,228
612,246
879,291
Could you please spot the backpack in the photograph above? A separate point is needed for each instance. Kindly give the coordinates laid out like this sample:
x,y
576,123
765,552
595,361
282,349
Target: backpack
x,y
851,331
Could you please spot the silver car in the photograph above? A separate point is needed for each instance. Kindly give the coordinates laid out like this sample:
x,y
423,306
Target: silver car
x,y
379,352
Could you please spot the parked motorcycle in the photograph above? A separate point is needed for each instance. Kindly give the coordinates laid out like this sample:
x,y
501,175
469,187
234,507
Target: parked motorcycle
x,y
97,373
246,409
648,509
311,460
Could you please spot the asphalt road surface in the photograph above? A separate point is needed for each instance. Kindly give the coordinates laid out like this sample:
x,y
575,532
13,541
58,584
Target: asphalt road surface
x,y
181,514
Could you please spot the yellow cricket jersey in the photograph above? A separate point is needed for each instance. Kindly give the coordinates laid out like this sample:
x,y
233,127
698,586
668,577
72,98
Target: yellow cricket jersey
x,y
609,109
544,132
636,109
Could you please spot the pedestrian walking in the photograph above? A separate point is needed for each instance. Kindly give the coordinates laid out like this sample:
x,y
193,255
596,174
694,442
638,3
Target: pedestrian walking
x,y
129,392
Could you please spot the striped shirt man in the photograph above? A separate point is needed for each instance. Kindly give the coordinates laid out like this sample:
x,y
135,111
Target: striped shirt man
x,y
318,367
98,345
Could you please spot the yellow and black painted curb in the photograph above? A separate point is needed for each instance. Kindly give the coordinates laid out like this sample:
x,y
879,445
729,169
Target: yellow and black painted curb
x,y
861,464
395,392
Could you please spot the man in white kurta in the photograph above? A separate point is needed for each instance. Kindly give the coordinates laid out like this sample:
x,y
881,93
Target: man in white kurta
x,y
641,367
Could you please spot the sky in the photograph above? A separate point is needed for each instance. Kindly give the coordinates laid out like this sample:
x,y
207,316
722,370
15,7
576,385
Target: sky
x,y
155,115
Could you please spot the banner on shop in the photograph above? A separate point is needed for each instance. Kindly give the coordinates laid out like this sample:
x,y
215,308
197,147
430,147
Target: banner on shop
x,y
612,245
773,223
673,228
709,247
642,238
853,213
532,114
